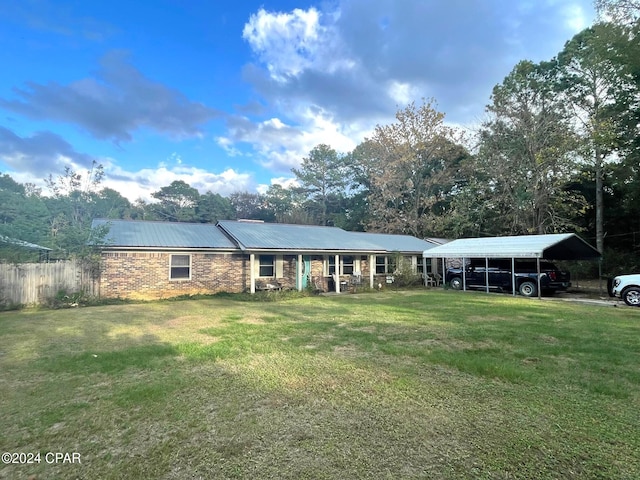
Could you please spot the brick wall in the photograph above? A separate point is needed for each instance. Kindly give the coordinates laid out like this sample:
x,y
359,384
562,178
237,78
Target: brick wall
x,y
145,275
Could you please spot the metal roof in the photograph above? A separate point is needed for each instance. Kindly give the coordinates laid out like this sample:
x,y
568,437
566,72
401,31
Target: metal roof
x,y
281,236
396,243
254,236
134,233
562,246
22,243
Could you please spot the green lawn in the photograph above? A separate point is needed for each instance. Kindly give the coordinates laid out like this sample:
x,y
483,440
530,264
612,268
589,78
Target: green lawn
x,y
418,384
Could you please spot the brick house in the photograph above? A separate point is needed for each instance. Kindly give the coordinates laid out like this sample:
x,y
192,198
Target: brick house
x,y
150,260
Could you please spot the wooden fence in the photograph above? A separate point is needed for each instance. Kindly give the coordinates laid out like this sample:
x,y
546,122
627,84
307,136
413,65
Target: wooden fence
x,y
36,283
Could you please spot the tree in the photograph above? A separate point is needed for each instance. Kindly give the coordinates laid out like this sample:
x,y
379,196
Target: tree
x,y
321,177
177,202
620,11
72,208
414,166
23,216
251,206
108,203
594,80
287,205
212,207
526,154
359,167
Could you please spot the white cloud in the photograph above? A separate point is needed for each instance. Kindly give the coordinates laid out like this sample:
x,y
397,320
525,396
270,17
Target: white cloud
x,y
280,147
284,182
142,183
330,75
576,18
285,42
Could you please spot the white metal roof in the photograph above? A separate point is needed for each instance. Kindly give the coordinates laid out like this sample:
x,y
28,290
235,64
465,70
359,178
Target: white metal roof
x,y
561,246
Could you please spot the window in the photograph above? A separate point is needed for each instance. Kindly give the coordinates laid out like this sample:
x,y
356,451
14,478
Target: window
x,y
385,264
267,266
420,265
347,265
331,263
180,267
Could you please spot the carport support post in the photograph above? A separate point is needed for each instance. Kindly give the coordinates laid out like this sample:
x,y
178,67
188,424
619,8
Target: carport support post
x,y
299,273
464,274
337,273
486,273
538,267
444,272
513,275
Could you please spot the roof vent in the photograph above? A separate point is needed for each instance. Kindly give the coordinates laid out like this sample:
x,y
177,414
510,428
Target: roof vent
x,y
250,220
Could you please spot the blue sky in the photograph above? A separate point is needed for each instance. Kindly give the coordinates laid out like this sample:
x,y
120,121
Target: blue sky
x,y
230,95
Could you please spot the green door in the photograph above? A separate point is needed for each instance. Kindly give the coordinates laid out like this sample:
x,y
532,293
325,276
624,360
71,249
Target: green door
x,y
306,271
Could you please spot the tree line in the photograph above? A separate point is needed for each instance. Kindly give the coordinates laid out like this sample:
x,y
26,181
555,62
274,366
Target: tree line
x,y
558,151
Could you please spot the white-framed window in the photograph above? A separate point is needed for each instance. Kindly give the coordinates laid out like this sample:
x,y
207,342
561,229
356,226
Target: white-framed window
x,y
429,265
267,266
348,264
385,264
180,267
331,265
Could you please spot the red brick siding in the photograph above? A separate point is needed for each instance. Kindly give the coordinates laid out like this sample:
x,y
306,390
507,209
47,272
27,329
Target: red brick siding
x,y
145,275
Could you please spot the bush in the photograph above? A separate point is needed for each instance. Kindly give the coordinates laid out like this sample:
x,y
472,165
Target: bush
x,y
64,299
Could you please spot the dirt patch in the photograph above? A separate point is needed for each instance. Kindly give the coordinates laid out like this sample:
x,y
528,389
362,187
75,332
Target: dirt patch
x,y
596,289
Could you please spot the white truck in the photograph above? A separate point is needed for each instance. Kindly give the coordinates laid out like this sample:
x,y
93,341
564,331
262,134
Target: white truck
x,y
626,287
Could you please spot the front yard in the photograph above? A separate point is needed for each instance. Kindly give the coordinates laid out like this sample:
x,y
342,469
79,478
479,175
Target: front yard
x,y
416,384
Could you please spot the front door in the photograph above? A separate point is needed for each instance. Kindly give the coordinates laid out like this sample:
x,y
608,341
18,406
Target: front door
x,y
306,271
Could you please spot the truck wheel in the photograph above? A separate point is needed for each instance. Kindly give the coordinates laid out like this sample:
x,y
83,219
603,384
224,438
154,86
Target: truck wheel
x,y
528,289
456,283
631,296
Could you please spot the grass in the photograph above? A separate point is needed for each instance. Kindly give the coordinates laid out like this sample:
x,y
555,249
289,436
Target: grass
x,y
416,384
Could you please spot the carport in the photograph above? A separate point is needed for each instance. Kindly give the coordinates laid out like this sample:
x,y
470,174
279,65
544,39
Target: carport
x,y
560,246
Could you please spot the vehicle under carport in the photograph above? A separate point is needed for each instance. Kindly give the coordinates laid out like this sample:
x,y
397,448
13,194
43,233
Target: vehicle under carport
x,y
560,246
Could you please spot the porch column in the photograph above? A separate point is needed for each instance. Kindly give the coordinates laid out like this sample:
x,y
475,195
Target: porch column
x,y
424,269
252,273
372,270
299,273
337,273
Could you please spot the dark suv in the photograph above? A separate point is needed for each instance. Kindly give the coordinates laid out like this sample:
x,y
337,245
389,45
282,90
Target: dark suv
x,y
500,278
